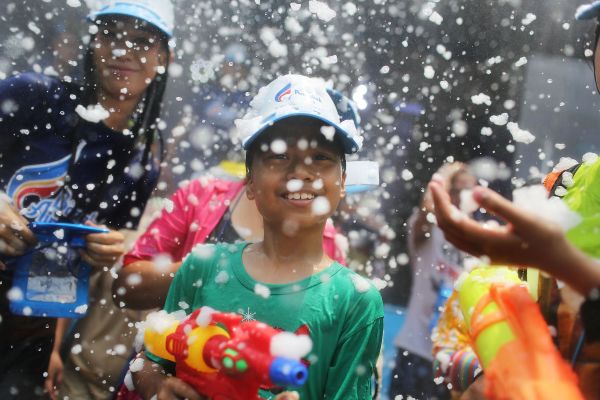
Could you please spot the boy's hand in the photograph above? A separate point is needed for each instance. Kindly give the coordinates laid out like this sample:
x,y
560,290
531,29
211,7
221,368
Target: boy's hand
x,y
525,241
103,249
55,375
172,388
15,236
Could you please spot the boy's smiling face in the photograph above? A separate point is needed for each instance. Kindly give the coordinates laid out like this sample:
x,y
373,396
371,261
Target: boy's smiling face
x,y
296,176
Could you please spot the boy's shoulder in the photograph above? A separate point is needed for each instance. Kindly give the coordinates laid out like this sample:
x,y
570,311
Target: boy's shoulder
x,y
357,289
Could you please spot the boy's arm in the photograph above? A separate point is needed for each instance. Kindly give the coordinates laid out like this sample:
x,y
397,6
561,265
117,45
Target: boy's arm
x,y
351,373
163,237
56,366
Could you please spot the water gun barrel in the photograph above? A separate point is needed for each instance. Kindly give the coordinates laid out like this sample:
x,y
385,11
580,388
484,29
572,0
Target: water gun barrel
x,y
287,372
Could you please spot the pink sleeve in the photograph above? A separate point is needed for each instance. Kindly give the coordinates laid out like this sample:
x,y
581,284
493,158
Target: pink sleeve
x,y
331,243
166,233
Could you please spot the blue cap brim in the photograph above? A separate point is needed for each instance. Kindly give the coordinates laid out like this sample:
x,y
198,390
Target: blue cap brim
x,y
588,11
134,12
349,144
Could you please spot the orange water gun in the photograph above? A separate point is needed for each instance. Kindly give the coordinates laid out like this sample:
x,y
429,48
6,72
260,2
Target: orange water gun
x,y
221,356
512,340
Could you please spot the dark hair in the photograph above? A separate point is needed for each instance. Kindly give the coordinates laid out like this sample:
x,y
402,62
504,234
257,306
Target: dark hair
x,y
146,121
265,136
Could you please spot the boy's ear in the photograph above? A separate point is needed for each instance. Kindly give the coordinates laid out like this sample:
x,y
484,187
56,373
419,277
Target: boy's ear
x,y
249,188
343,186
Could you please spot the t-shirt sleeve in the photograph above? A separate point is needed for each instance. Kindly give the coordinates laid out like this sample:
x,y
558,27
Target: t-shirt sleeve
x,y
166,233
351,374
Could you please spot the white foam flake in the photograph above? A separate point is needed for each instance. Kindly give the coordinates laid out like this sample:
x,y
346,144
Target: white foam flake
x,y
520,62
204,317
529,18
76,349
564,163
436,18
322,10
328,132
222,278
134,279
294,185
290,345
162,262
499,120
468,205
481,98
320,205
589,158
81,309
518,134
136,365
93,113
406,175
262,290
15,294
360,284
486,131
535,200
159,321
428,72
128,382
204,250
278,146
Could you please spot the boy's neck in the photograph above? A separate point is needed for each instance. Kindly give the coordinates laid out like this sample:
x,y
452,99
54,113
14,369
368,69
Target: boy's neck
x,y
283,259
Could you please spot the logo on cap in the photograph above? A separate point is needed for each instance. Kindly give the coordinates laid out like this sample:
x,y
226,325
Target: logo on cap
x,y
285,91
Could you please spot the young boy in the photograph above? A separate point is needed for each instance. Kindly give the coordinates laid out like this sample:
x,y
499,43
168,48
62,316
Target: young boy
x,y
295,173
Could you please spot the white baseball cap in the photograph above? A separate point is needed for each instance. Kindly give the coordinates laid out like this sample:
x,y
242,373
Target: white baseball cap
x,y
296,96
159,13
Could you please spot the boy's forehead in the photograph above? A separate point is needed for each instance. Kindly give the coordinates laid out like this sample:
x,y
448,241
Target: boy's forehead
x,y
296,134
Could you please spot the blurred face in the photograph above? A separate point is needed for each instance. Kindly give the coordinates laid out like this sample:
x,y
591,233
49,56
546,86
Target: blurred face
x,y
127,54
460,181
296,177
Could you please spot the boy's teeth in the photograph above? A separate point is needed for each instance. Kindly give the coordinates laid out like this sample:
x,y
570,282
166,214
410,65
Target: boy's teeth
x,y
300,196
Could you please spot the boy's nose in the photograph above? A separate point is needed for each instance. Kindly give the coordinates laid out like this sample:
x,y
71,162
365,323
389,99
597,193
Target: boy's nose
x,y
301,169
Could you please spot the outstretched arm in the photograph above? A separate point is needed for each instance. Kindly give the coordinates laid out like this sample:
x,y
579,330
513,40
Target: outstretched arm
x,y
526,240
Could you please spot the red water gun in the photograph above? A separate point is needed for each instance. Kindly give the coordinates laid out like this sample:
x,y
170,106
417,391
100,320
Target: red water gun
x,y
221,356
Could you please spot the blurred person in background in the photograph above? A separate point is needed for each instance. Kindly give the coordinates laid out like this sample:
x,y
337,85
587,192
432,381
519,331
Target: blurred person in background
x,y
435,265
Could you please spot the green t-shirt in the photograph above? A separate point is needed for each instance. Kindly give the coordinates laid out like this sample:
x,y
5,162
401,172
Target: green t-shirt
x,y
342,311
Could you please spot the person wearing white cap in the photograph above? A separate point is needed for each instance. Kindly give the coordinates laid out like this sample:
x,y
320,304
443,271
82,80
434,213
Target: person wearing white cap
x,y
79,152
295,144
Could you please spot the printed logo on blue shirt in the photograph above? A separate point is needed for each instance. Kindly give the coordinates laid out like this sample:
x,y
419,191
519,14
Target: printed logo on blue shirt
x,y
32,188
